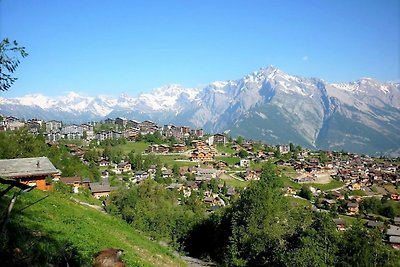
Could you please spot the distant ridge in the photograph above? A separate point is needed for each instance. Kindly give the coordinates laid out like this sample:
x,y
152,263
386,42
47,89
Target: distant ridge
x,y
361,116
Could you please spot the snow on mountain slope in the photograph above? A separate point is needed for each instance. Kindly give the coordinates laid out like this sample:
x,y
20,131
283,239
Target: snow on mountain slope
x,y
309,111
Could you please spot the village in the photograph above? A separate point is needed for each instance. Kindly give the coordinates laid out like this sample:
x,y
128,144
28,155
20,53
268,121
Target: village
x,y
213,166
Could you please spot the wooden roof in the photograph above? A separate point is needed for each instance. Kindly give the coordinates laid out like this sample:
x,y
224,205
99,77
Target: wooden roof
x,y
27,167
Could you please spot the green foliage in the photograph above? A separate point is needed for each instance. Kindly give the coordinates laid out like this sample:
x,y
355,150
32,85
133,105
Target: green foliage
x,y
305,192
258,222
329,186
22,144
316,245
59,232
175,170
153,209
364,247
239,140
8,63
261,229
243,153
384,207
229,160
269,174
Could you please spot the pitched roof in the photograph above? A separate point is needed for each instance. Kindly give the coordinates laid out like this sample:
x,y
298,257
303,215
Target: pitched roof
x,y
393,230
71,180
27,167
394,239
99,187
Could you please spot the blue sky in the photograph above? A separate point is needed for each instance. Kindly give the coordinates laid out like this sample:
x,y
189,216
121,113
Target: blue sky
x,y
113,47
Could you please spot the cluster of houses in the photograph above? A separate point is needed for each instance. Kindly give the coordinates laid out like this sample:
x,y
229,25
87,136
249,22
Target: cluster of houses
x,y
357,172
130,129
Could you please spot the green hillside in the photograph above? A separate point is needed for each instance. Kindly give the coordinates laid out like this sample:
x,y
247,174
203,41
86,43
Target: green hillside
x,y
57,230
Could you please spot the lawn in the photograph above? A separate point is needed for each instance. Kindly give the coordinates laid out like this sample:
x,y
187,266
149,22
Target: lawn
x,y
288,171
57,227
298,202
326,187
392,189
357,193
236,183
225,149
288,182
229,160
179,160
231,181
138,147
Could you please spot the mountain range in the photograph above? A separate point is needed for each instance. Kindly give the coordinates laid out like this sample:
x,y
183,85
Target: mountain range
x,y
361,116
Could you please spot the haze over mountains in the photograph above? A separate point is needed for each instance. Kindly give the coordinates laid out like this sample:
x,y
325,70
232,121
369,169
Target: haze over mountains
x,y
269,105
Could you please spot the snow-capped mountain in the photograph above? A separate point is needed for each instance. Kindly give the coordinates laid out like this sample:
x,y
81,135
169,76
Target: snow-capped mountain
x,y
269,104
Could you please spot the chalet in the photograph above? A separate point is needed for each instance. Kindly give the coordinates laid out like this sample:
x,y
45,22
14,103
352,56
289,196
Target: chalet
x,y
202,156
197,132
340,224
133,124
244,163
219,139
213,173
395,197
178,148
192,185
375,224
85,182
141,175
352,208
220,164
87,127
283,149
166,174
100,189
104,162
328,202
124,167
116,134
121,121
211,200
74,181
148,127
29,171
251,175
337,195
131,134
176,186
393,234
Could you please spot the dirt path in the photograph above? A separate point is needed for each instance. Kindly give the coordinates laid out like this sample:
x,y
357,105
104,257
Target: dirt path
x,y
98,208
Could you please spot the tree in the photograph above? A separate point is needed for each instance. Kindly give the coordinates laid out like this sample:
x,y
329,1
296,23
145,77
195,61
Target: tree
x,y
277,153
175,170
158,175
8,64
243,153
316,245
364,247
258,223
239,140
305,192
